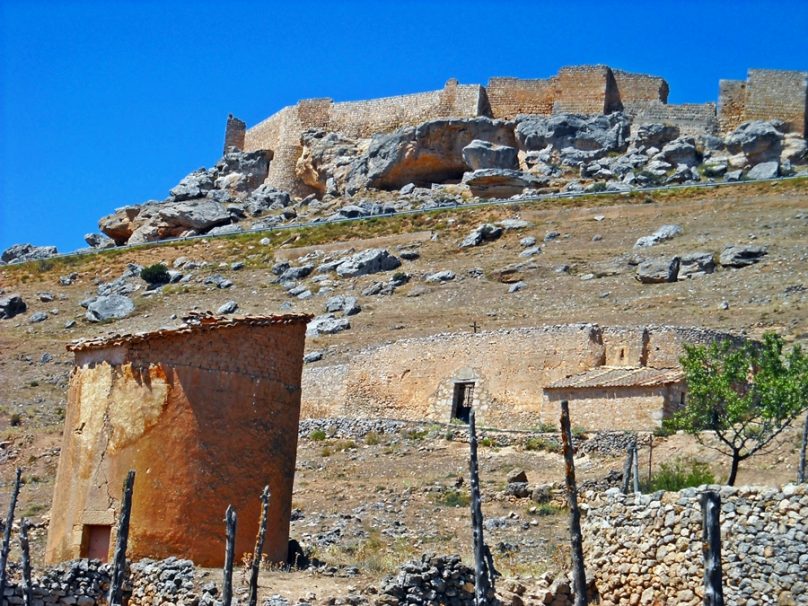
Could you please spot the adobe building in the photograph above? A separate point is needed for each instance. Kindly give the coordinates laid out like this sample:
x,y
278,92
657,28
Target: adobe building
x,y
615,378
206,414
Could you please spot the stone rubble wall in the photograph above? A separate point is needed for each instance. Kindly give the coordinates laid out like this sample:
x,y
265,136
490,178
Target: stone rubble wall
x,y
691,118
731,104
647,549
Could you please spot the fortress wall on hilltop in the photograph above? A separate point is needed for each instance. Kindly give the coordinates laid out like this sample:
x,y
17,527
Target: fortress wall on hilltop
x,y
509,97
692,119
731,104
634,88
584,90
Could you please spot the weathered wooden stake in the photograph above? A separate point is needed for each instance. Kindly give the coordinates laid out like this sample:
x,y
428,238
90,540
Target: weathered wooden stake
x,y
12,505
627,467
27,596
802,471
482,576
650,457
259,547
711,547
576,538
121,540
230,519
636,470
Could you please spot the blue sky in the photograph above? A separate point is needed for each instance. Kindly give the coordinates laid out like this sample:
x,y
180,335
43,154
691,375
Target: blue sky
x,y
112,103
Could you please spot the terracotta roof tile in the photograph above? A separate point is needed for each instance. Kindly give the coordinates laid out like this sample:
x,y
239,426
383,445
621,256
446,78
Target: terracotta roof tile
x,y
606,376
193,323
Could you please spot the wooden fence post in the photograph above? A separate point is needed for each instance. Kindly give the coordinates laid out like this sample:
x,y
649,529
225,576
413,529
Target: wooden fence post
x,y
12,505
259,547
636,470
121,541
482,576
711,547
230,519
802,471
576,538
27,597
627,466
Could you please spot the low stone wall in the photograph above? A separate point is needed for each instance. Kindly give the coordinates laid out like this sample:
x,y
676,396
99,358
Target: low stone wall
x,y
647,549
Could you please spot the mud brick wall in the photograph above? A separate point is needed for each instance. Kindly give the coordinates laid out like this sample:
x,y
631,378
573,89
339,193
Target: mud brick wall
x,y
584,90
731,104
777,94
206,419
509,97
647,549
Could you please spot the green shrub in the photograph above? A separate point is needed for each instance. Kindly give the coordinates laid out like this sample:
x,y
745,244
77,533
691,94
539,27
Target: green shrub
x,y
681,473
578,432
155,274
453,498
372,438
318,435
543,427
415,434
541,444
487,442
15,420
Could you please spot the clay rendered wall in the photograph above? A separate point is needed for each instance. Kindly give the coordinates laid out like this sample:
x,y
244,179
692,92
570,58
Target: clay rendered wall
x,y
777,94
731,104
205,419
647,549
614,408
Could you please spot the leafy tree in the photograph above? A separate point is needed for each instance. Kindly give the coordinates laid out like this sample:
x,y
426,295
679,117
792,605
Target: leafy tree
x,y
155,274
747,394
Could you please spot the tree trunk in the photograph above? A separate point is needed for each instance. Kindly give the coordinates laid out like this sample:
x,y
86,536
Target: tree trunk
x,y
635,470
627,467
733,471
259,548
576,538
230,546
27,596
711,546
121,541
12,505
481,573
803,471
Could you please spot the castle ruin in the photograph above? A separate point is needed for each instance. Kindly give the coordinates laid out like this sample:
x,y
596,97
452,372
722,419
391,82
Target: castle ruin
x,y
206,414
597,89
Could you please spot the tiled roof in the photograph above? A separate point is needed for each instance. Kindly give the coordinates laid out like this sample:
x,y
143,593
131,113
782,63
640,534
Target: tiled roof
x,y
606,376
193,323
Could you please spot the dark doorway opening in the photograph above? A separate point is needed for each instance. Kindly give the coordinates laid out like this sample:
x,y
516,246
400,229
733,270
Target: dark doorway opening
x,y
462,399
95,542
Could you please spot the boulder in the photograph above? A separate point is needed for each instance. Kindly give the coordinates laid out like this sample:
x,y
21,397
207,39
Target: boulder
x,y
99,241
501,182
741,256
696,264
37,317
429,153
655,271
228,308
326,156
759,141
482,233
266,198
519,490
120,224
516,475
197,214
110,307
598,134
254,166
327,324
11,305
294,273
194,185
440,276
483,154
764,170
345,305
366,262
795,149
666,232
19,253
679,151
654,135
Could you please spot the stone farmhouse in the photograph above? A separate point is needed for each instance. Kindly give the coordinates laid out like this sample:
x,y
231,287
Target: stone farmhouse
x,y
589,89
206,414
614,378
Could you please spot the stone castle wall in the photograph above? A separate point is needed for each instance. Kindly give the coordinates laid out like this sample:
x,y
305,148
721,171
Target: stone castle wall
x,y
414,378
206,419
647,549
510,97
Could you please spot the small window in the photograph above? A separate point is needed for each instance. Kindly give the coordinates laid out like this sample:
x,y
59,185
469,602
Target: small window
x,y
95,542
462,400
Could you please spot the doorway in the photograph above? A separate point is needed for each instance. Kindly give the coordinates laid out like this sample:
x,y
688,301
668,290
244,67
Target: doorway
x,y
462,400
95,542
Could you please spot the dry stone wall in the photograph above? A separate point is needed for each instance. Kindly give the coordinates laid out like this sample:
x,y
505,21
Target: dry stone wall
x,y
647,549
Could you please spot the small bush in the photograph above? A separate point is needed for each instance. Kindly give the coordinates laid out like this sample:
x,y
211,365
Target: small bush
x,y
681,473
318,435
578,432
325,452
541,444
155,274
415,434
487,442
15,420
544,509
543,427
372,438
453,498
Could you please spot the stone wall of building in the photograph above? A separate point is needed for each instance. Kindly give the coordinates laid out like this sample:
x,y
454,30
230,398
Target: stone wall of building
x,y
415,378
692,119
731,104
206,418
586,89
647,549
509,97
234,133
634,88
775,93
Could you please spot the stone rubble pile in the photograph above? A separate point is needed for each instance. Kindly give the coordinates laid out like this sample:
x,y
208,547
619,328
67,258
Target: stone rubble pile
x,y
432,580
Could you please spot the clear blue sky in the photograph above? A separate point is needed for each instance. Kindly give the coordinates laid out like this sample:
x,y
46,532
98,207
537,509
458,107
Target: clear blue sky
x,y
111,103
